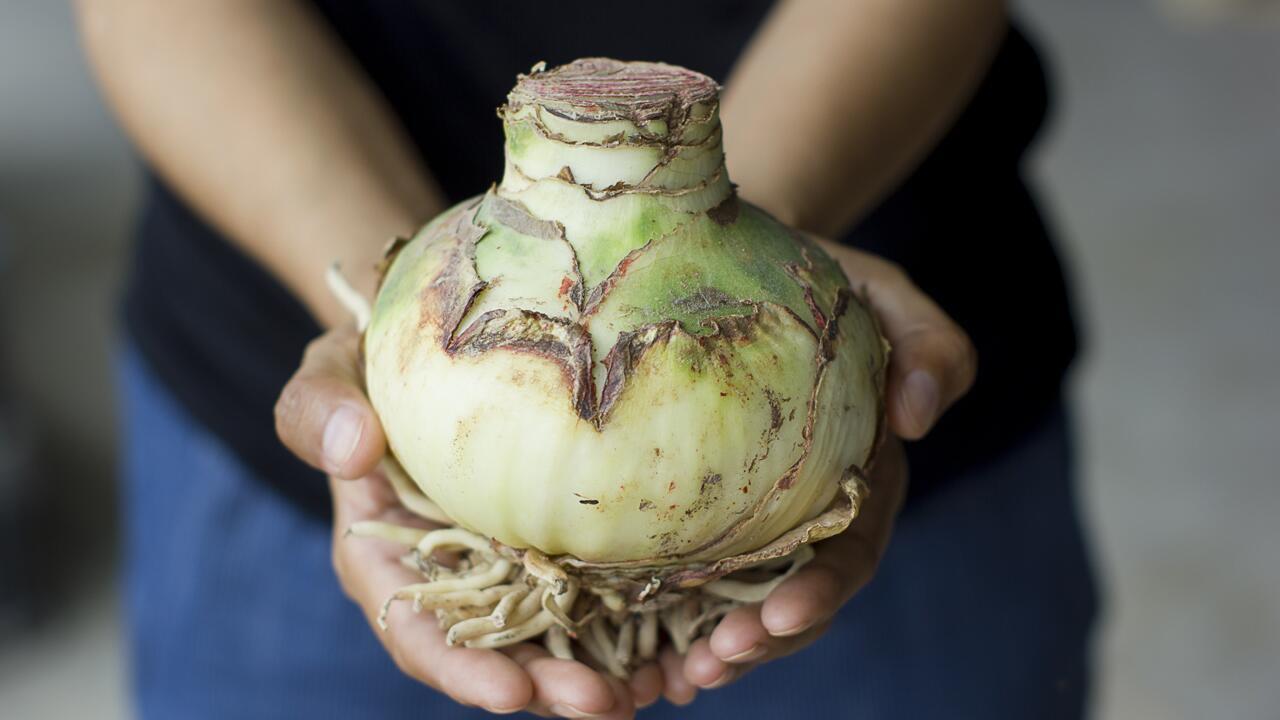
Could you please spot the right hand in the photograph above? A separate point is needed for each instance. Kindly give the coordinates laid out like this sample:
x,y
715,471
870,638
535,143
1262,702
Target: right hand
x,y
324,417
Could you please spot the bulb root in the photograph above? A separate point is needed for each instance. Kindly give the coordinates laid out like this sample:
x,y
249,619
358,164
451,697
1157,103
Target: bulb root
x,y
454,538
410,496
348,297
753,592
626,643
551,604
558,644
495,596
647,640
542,568
387,531
507,606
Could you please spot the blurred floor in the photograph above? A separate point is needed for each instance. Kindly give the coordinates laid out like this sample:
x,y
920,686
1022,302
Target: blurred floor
x,y
1161,170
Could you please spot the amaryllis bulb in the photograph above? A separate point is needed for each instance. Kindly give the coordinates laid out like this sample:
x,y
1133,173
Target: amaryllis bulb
x,y
609,357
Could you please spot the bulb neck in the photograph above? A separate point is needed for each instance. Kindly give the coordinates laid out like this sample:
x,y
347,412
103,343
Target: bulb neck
x,y
612,128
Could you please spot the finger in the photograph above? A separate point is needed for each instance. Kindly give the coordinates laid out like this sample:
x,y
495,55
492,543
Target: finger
x,y
782,647
484,678
703,669
817,590
367,498
563,688
675,687
323,415
370,573
842,564
740,637
933,363
624,707
742,641
646,685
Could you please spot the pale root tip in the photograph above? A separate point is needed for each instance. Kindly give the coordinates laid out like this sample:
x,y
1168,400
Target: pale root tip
x,y
348,296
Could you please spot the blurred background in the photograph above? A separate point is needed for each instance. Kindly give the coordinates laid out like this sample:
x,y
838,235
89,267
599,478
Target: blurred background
x,y
1161,169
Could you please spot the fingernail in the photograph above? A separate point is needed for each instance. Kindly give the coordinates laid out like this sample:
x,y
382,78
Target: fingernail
x,y
725,678
922,398
793,630
341,435
746,655
570,711
684,701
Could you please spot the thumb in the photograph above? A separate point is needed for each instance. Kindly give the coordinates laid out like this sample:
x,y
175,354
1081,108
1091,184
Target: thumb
x,y
933,363
323,415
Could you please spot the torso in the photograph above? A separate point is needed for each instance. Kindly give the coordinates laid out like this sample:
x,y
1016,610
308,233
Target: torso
x,y
224,336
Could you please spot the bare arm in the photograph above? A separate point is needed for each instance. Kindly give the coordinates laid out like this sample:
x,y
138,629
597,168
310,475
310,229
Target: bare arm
x,y
257,115
838,100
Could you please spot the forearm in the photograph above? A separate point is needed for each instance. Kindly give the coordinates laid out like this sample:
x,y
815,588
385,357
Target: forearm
x,y
836,101
255,113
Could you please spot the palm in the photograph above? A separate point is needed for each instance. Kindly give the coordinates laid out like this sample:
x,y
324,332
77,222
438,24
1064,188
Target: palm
x,y
371,571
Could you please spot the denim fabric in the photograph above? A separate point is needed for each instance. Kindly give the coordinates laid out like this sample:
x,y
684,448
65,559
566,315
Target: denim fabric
x,y
982,608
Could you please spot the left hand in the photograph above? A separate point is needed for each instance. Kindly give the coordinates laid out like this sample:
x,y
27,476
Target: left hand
x,y
932,365
327,390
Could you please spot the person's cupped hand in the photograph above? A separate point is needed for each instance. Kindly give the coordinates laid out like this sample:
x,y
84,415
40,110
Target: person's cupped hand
x,y
932,364
324,417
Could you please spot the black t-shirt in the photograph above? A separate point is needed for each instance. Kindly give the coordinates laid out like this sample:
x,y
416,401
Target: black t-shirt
x,y
224,336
